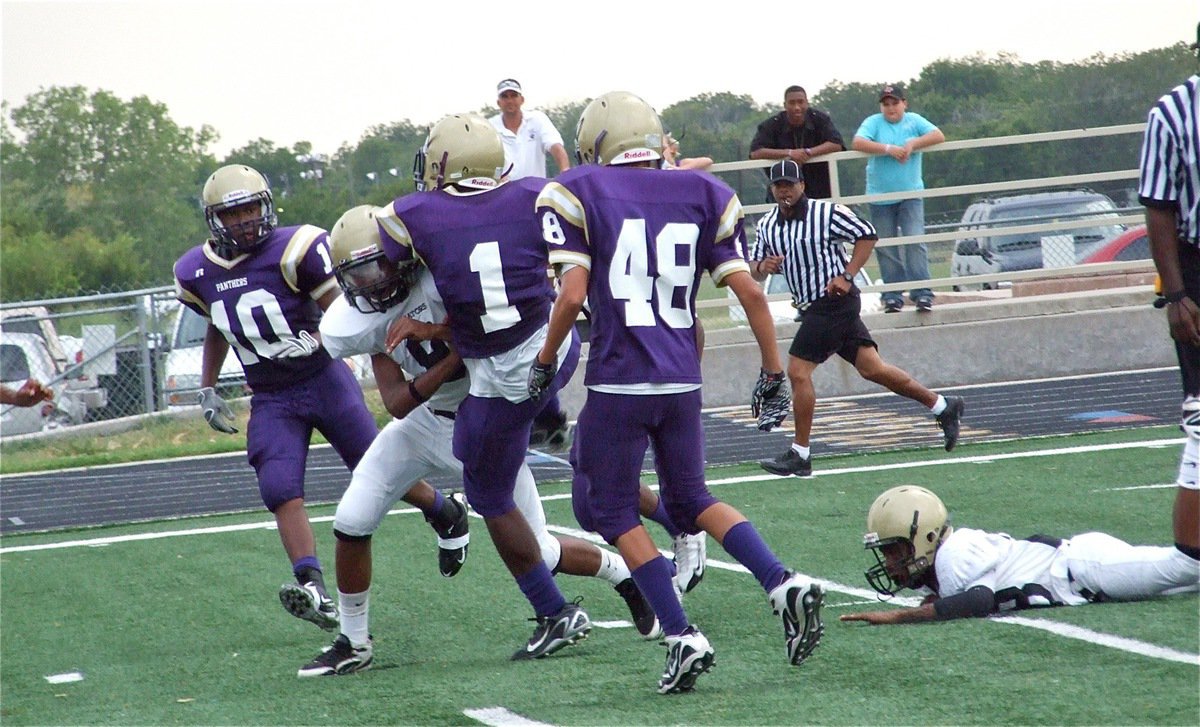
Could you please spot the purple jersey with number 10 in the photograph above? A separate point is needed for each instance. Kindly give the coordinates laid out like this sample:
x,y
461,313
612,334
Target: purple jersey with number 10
x,y
258,299
646,235
487,257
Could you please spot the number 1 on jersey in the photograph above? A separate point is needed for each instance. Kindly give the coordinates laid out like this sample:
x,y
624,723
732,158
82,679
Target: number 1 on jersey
x,y
485,260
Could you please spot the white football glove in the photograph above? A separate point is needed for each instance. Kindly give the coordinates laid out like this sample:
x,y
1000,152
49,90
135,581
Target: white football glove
x,y
298,347
216,412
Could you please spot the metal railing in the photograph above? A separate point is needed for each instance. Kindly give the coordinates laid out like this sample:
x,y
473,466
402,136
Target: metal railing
x,y
975,190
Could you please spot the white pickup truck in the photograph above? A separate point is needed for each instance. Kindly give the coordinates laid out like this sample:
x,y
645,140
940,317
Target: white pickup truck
x,y
81,393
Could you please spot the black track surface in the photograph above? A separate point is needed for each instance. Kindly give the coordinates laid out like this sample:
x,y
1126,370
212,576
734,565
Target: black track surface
x,y
225,483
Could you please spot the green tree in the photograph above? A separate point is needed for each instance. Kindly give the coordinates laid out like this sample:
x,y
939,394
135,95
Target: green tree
x,y
111,170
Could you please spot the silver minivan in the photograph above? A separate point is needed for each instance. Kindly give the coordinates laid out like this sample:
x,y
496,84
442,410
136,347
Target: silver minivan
x,y
997,253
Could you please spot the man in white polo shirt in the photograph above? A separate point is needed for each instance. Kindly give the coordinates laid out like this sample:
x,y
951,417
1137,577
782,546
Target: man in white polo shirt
x,y
527,135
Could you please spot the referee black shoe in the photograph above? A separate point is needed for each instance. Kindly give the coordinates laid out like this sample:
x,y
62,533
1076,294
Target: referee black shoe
x,y
788,463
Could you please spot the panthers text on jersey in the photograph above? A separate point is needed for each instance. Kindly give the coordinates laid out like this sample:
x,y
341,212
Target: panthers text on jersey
x,y
487,257
646,236
256,300
346,331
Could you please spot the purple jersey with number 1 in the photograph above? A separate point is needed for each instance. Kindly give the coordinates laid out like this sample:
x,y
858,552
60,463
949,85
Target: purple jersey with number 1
x,y
258,299
487,257
646,235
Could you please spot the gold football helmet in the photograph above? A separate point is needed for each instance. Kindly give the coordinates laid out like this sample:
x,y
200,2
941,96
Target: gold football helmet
x,y
910,516
231,186
461,149
618,128
370,281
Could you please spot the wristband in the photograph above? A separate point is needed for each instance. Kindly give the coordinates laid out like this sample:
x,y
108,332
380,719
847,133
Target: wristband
x,y
416,395
1176,296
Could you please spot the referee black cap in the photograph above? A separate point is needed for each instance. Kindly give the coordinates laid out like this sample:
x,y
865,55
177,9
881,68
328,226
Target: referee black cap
x,y
786,170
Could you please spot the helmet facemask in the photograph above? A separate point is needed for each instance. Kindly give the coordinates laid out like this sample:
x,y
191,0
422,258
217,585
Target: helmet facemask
x,y
903,571
243,237
374,284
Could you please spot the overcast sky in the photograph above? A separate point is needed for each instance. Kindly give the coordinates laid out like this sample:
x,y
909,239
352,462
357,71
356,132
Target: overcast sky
x,y
327,71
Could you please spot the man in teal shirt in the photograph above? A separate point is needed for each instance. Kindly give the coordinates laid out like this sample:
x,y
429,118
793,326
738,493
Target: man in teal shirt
x,y
895,135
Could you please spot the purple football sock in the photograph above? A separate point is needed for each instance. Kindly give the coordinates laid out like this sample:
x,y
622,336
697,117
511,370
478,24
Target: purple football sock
x,y
747,547
541,591
653,578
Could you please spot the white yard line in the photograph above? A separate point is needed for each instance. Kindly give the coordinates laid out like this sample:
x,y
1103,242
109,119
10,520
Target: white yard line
x,y
501,717
1065,630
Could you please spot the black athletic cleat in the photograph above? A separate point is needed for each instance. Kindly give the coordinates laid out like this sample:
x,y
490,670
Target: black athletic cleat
x,y
311,603
341,658
639,608
788,463
552,633
553,433
949,420
688,656
453,540
798,602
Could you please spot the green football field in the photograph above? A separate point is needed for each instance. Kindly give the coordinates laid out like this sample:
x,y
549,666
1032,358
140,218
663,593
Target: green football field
x,y
177,623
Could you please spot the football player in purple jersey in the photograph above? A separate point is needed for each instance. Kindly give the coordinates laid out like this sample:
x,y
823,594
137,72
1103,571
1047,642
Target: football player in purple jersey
x,y
484,250
263,289
634,239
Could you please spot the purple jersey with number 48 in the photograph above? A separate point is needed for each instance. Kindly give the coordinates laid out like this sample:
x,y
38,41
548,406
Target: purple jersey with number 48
x,y
487,257
646,235
257,300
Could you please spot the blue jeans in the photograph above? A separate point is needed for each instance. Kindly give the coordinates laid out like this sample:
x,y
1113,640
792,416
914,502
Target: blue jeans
x,y
908,262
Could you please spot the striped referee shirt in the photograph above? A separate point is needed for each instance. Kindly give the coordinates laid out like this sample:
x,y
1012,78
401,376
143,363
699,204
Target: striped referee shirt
x,y
811,244
1170,161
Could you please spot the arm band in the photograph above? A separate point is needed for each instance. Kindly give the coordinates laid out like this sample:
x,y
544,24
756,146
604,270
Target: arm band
x,y
416,395
1176,296
978,601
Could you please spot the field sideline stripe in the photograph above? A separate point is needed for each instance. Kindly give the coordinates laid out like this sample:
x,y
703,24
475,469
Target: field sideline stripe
x,y
501,717
980,459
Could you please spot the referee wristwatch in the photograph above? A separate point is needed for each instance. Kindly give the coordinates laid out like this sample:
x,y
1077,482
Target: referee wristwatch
x,y
849,278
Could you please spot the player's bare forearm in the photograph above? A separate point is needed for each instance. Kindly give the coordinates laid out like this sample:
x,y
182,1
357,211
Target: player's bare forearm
x,y
919,614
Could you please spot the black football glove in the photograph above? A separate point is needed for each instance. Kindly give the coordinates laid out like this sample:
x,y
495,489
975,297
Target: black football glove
x,y
771,400
540,376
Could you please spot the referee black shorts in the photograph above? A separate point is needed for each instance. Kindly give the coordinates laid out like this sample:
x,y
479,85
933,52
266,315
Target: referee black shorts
x,y
1189,356
829,326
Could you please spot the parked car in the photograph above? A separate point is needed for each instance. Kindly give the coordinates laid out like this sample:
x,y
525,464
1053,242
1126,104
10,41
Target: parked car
x,y
82,392
784,312
24,356
981,255
1134,244
185,358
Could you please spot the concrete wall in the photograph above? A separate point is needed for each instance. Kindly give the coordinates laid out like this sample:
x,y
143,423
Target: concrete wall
x,y
961,343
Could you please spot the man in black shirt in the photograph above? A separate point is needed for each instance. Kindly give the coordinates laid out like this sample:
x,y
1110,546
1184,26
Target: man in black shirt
x,y
799,133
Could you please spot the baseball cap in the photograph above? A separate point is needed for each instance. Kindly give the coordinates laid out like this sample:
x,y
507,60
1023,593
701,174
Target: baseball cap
x,y
786,170
894,90
508,84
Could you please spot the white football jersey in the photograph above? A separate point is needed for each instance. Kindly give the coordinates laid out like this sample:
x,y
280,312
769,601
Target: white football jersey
x,y
347,331
1022,573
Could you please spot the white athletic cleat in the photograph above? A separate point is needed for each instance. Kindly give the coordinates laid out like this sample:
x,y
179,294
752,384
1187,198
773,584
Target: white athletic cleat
x,y
691,552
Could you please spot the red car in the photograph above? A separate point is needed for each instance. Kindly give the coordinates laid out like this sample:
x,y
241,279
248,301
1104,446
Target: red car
x,y
1133,244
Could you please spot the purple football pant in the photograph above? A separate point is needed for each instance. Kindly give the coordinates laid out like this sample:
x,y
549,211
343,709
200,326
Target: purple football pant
x,y
282,423
491,437
611,437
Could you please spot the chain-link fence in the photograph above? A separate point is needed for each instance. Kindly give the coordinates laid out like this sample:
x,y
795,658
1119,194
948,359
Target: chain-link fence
x,y
105,356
